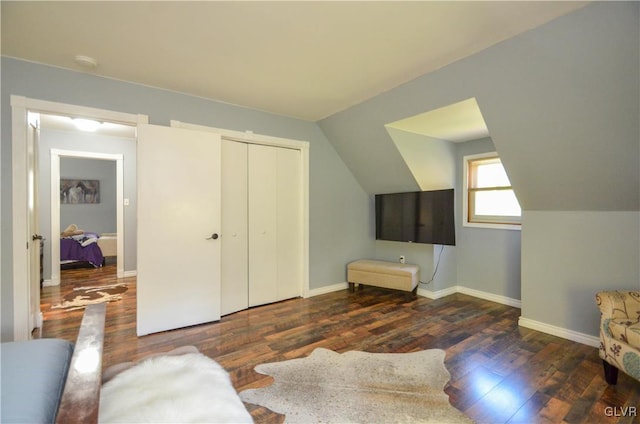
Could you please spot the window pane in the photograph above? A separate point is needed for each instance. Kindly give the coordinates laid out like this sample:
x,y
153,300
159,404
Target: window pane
x,y
496,203
491,175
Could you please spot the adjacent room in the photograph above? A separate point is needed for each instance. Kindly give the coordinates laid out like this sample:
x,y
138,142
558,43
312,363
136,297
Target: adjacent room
x,y
431,207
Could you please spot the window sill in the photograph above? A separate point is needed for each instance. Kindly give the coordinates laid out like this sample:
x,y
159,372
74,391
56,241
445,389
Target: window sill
x,y
516,227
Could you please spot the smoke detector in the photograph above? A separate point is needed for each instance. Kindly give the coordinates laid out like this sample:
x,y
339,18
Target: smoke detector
x,y
86,62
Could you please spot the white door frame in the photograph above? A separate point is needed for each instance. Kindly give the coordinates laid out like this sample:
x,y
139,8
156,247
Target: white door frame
x,y
20,107
55,206
303,147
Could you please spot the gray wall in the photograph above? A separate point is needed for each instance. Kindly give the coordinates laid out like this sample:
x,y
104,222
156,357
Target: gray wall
x,y
93,217
565,94
488,259
430,160
432,163
337,202
414,253
568,256
561,105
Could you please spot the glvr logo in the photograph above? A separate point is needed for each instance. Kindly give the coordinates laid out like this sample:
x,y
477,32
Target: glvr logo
x,y
621,411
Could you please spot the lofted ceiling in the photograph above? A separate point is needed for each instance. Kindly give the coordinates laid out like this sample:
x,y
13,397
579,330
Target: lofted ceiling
x,y
308,59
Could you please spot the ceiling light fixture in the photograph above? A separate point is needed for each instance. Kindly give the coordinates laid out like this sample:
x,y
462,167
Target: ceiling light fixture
x,y
86,124
86,62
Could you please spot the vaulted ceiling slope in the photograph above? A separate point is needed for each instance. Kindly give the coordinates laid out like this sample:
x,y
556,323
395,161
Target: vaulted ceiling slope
x,y
306,59
561,103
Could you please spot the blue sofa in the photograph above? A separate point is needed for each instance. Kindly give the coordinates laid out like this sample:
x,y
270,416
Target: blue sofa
x,y
33,377
53,380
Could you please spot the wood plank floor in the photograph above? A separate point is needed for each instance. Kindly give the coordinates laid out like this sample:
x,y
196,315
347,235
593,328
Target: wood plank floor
x,y
500,373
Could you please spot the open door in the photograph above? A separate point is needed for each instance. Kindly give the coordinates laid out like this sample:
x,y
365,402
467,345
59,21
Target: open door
x,y
35,239
179,217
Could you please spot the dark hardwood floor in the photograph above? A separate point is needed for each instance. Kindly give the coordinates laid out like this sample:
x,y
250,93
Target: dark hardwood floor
x,y
500,373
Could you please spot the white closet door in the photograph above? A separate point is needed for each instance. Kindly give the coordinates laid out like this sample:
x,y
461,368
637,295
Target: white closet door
x,y
178,175
235,254
262,225
289,223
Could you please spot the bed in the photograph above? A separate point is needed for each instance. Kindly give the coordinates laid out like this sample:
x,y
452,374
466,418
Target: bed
x,y
81,250
108,243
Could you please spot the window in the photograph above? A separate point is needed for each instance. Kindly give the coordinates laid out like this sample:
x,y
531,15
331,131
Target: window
x,y
490,200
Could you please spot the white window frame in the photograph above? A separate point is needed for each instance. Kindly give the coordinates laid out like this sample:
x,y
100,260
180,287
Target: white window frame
x,y
465,198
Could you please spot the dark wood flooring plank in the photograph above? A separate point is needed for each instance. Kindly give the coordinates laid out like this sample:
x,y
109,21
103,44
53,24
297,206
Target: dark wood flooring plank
x,y
499,371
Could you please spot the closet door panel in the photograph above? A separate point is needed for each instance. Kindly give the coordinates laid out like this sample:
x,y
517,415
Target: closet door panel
x,y
262,225
234,238
289,223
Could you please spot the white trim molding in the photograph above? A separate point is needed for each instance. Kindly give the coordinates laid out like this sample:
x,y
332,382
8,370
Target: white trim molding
x,y
20,107
471,292
429,294
118,158
564,333
326,289
490,296
465,197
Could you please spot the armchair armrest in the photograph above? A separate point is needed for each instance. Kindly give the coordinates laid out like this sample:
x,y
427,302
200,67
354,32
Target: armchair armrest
x,y
81,395
619,304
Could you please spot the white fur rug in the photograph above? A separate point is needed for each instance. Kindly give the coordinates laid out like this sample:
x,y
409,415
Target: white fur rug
x,y
359,387
188,388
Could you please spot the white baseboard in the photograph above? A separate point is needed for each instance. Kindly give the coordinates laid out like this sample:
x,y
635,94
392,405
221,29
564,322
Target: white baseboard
x,y
326,289
490,296
50,283
431,294
503,300
133,273
559,332
437,294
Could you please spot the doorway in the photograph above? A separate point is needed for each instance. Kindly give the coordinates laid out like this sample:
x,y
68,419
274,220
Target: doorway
x,y
97,227
22,231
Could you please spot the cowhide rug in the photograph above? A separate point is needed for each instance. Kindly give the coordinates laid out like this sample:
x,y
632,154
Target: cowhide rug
x,y
358,387
173,388
83,296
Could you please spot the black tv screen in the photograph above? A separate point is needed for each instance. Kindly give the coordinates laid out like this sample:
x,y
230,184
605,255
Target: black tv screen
x,y
416,217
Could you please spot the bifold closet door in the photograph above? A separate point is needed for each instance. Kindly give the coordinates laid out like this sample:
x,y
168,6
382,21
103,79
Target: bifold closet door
x,y
289,223
263,245
275,224
235,255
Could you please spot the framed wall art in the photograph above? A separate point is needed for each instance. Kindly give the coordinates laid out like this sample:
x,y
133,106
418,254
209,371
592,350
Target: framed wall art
x,y
76,191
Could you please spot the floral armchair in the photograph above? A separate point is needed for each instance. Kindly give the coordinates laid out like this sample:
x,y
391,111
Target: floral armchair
x,y
619,333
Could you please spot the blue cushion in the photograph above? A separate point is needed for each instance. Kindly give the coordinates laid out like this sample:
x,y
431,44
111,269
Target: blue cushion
x,y
33,375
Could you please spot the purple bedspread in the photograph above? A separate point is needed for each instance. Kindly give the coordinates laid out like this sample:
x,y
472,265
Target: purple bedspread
x,y
71,250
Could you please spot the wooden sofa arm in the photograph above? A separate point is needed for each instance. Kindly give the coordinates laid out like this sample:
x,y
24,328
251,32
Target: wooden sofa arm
x,y
81,396
619,304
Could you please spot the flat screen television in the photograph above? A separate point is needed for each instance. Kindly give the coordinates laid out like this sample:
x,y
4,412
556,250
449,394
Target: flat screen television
x,y
416,217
